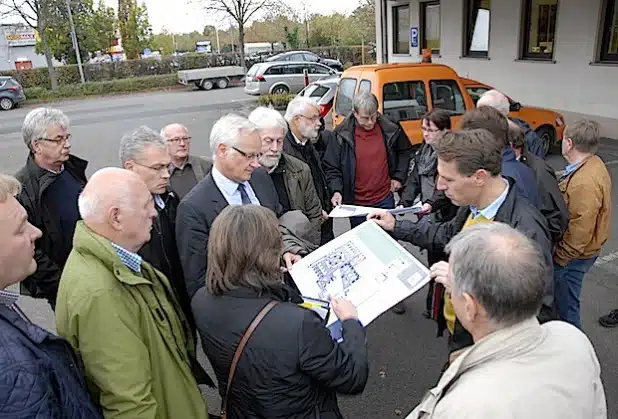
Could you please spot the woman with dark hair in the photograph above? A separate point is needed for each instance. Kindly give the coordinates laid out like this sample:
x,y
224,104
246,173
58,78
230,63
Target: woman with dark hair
x,y
422,182
290,366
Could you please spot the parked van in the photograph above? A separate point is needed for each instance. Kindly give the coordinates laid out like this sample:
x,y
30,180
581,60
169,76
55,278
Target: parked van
x,y
405,93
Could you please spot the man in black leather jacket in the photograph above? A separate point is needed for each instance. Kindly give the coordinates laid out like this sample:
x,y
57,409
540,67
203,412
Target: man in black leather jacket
x,y
52,180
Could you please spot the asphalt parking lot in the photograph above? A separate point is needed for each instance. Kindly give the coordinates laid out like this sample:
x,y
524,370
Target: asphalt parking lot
x,y
405,354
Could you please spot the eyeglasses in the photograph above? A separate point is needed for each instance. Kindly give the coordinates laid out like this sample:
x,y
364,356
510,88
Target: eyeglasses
x,y
157,168
177,140
61,140
249,156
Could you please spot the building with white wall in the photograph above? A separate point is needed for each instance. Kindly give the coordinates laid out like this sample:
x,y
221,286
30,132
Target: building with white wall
x,y
18,48
558,54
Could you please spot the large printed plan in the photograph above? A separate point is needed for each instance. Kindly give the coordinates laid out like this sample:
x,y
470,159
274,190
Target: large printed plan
x,y
364,265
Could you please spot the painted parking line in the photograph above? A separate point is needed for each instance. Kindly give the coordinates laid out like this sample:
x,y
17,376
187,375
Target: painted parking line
x,y
603,260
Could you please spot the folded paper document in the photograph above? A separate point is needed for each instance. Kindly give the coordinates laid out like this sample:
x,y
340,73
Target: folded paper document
x,y
345,211
364,265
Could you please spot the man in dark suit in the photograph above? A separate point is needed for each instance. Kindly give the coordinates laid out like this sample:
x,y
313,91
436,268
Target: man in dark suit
x,y
235,179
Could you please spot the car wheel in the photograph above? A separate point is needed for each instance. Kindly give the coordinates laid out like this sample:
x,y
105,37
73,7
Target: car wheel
x,y
207,84
6,104
281,90
547,136
222,83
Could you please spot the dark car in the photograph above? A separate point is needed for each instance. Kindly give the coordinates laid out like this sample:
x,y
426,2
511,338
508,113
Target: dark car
x,y
11,93
306,56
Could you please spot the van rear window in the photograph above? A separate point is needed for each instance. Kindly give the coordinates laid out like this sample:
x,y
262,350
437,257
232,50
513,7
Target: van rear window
x,y
345,96
404,100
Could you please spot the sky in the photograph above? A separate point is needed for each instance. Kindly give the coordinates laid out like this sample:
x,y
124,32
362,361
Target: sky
x,y
187,16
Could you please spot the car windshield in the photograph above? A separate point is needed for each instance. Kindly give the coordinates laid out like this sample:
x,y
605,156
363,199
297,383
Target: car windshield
x,y
319,91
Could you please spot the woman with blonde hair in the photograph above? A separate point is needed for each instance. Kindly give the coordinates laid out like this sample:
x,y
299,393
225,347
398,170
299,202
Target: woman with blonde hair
x,y
272,358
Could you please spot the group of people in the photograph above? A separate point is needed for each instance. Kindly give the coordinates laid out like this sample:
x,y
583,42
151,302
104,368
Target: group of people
x,y
139,260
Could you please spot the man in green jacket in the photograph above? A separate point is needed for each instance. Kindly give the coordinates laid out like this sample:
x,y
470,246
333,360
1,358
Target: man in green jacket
x,y
119,313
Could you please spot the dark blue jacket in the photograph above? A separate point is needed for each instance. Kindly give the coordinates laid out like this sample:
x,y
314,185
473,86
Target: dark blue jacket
x,y
525,181
40,377
533,142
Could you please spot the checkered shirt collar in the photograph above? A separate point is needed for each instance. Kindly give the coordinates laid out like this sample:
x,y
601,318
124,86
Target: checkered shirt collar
x,y
131,260
8,298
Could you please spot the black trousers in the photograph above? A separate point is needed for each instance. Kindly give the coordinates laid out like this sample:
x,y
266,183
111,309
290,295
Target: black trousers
x,y
327,233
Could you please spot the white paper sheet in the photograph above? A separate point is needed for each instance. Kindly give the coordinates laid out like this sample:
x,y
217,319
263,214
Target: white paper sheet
x,y
364,265
346,211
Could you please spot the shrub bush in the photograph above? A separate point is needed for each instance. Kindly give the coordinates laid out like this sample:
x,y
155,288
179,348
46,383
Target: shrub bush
x,y
69,74
133,84
276,101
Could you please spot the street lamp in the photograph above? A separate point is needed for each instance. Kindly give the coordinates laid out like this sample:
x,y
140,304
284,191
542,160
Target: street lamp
x,y
75,45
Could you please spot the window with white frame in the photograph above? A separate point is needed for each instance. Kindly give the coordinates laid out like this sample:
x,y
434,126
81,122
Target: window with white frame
x,y
401,29
609,39
430,26
476,28
539,29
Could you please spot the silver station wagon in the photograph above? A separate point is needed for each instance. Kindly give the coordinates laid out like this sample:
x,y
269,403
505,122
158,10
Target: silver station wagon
x,y
283,77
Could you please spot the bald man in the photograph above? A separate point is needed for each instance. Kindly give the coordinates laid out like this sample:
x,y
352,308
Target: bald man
x,y
497,100
186,170
120,313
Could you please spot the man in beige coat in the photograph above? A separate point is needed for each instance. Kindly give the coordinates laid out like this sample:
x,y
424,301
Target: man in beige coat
x,y
516,368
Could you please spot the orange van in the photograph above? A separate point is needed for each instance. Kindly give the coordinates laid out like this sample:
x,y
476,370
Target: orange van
x,y
405,93
549,125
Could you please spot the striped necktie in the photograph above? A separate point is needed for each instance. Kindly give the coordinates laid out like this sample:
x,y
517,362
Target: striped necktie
x,y
243,194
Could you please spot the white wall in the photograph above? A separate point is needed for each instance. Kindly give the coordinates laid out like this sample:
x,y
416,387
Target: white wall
x,y
569,84
9,55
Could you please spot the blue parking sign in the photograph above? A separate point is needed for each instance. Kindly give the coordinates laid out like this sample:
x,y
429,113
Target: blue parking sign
x,y
414,37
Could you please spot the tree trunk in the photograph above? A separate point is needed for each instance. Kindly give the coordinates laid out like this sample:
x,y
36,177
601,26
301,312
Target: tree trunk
x,y
53,77
241,45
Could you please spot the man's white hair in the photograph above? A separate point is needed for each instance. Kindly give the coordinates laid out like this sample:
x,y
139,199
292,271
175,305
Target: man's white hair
x,y
38,121
267,117
164,130
133,144
228,129
93,205
298,106
495,99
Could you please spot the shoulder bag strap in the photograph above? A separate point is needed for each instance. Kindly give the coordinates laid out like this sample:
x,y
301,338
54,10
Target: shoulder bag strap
x,y
241,346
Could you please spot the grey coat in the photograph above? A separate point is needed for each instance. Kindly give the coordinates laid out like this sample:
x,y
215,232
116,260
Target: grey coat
x,y
302,194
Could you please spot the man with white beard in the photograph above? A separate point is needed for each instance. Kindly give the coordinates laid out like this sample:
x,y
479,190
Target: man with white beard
x,y
303,118
291,176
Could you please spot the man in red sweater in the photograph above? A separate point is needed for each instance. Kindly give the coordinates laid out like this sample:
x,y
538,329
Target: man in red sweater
x,y
368,161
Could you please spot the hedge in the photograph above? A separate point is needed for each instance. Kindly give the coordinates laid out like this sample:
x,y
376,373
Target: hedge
x,y
276,101
133,84
69,74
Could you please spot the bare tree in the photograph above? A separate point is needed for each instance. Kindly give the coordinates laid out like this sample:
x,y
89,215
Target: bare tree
x,y
241,11
39,15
